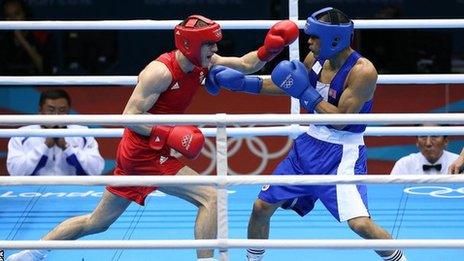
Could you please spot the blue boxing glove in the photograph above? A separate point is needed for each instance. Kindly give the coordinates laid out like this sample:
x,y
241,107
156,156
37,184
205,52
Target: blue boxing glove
x,y
221,76
292,78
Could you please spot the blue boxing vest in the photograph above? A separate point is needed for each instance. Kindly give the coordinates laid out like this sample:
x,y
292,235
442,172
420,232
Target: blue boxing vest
x,y
332,93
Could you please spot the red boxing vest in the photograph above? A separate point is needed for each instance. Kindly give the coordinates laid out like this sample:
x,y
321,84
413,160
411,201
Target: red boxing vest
x,y
183,87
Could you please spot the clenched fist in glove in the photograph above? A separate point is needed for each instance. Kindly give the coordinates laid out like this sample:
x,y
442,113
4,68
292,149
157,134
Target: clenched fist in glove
x,y
292,78
279,36
187,140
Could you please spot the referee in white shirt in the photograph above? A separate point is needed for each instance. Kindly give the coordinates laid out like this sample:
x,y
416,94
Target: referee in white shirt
x,y
29,156
432,158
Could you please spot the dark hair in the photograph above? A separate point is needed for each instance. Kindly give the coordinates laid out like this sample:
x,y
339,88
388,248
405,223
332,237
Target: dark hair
x,y
334,16
198,24
53,95
21,3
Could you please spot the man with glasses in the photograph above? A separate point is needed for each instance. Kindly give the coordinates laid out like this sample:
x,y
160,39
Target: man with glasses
x,y
432,158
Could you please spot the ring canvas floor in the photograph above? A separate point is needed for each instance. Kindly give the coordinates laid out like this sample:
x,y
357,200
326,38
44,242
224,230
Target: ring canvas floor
x,y
28,212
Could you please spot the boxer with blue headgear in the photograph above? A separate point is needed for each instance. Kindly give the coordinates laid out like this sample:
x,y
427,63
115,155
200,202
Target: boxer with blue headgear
x,y
333,78
334,32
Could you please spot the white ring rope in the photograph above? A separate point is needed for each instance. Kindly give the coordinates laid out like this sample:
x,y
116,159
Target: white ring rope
x,y
235,132
225,24
132,80
236,243
228,180
234,119
68,80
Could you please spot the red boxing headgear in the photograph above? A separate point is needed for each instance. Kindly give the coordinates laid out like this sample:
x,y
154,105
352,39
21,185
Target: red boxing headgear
x,y
189,38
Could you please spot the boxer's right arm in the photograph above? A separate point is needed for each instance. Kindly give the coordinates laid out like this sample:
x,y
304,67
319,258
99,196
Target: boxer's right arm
x,y
152,81
292,77
187,140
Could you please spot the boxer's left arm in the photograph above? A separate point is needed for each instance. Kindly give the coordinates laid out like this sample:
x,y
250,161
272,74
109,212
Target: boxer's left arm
x,y
360,87
361,84
247,64
154,79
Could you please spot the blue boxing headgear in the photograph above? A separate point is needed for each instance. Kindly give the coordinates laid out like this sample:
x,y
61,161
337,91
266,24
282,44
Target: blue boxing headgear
x,y
333,35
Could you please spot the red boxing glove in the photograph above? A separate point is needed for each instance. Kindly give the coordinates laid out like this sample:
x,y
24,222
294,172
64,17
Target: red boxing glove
x,y
187,140
279,36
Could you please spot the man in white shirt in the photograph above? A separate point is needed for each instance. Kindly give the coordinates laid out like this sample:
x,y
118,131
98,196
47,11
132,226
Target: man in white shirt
x,y
29,156
432,158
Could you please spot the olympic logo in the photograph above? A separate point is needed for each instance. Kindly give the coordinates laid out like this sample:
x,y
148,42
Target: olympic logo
x,y
186,140
436,191
288,83
255,145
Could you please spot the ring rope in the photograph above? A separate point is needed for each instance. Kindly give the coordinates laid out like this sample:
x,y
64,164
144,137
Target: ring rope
x,y
222,181
236,243
234,119
235,132
132,80
225,24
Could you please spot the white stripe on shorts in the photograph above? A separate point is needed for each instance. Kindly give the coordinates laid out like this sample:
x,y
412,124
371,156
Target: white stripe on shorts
x,y
350,204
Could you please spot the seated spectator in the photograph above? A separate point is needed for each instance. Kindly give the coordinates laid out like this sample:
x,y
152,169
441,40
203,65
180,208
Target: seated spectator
x,y
23,52
432,158
457,166
54,156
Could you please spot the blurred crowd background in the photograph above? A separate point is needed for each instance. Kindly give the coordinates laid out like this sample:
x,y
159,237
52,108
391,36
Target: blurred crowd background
x,y
125,52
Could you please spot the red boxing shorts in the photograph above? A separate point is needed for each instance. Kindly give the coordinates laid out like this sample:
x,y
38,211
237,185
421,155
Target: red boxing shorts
x,y
134,157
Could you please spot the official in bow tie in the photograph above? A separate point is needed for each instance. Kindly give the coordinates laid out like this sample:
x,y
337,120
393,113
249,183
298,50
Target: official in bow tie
x,y
432,158
426,167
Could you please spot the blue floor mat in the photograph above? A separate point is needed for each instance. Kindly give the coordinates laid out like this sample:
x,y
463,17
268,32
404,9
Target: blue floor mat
x,y
28,212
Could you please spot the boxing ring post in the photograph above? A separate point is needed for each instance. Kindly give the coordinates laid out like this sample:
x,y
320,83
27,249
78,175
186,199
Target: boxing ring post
x,y
222,197
294,54
294,51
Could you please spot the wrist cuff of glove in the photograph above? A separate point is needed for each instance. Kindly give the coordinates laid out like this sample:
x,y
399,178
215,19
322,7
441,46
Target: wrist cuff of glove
x,y
158,136
253,84
265,56
310,99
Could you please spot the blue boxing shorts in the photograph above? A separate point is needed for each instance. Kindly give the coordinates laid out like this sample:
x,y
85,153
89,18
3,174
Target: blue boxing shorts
x,y
323,151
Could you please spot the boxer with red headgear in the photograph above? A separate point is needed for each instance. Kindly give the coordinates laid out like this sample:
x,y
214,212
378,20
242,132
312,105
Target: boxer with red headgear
x,y
189,39
167,86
